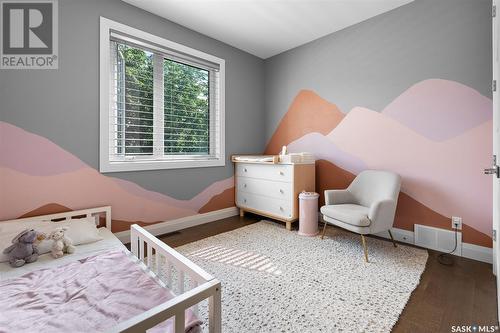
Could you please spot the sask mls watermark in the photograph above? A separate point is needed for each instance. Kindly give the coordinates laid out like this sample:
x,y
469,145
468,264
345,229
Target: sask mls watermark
x,y
29,34
474,328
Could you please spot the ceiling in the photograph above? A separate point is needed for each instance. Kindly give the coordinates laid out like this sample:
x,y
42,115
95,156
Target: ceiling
x,y
267,27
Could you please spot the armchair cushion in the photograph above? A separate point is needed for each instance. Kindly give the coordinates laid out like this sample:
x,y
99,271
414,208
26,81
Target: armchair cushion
x,y
348,213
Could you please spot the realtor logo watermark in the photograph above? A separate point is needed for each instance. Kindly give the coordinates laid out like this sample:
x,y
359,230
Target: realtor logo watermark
x,y
29,35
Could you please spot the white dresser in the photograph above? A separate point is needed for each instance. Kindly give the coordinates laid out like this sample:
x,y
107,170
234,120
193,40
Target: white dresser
x,y
272,190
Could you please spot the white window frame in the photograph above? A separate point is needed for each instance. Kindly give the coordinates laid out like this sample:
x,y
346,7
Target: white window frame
x,y
105,164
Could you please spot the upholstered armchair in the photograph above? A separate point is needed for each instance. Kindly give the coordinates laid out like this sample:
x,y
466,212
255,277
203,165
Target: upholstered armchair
x,y
367,206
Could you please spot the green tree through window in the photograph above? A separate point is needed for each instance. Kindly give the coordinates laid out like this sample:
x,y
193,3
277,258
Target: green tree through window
x,y
186,105
135,110
186,109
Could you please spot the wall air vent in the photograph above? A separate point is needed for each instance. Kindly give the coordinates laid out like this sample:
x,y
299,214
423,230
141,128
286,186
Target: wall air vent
x,y
437,239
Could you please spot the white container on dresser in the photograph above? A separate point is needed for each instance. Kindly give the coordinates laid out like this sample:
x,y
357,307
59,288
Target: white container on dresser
x,y
272,189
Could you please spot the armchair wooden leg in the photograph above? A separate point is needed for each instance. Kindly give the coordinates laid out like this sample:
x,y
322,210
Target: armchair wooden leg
x,y
324,229
365,249
392,238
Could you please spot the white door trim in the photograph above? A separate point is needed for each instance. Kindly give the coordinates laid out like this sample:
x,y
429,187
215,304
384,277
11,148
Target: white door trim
x,y
496,146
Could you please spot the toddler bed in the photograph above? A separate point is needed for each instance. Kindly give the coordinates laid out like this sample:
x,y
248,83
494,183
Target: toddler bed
x,y
105,287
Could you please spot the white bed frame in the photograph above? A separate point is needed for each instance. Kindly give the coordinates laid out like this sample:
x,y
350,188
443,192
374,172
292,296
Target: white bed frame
x,y
155,256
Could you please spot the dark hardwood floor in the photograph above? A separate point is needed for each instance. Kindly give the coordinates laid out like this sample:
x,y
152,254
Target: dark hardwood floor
x,y
208,229
462,294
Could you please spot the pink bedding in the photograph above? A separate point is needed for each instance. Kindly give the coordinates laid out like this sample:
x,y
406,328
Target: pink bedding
x,y
89,295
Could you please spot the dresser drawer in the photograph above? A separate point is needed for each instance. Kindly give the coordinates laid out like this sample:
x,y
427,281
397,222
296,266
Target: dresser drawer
x,y
267,205
277,172
268,188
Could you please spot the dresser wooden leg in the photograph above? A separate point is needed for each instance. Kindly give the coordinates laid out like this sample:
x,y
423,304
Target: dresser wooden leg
x,y
288,226
242,212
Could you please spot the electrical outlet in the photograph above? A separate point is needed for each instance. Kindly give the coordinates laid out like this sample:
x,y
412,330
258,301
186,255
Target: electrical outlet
x,y
456,222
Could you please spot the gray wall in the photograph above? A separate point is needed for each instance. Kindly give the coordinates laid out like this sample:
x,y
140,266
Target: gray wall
x,y
371,63
367,65
63,105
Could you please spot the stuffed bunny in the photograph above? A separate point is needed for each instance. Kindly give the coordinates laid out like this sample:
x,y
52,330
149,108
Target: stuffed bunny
x,y
61,243
23,249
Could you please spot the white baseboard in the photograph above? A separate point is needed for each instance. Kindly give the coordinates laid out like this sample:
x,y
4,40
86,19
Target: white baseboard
x,y
182,223
470,251
401,235
477,252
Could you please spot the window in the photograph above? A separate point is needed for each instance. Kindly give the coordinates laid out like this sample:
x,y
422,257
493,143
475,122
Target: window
x,y
162,104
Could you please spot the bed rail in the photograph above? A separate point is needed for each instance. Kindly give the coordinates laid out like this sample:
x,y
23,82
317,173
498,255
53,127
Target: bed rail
x,y
95,213
190,283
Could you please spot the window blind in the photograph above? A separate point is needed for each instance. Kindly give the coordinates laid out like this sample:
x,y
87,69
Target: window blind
x,y
132,96
163,106
187,107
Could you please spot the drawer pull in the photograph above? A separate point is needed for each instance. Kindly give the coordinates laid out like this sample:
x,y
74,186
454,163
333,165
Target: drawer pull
x,y
245,185
281,191
282,173
245,170
245,200
281,208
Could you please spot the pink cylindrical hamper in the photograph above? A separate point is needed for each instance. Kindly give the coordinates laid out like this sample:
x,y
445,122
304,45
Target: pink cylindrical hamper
x,y
308,213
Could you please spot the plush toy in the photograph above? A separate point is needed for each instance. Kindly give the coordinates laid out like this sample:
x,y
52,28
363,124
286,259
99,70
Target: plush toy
x,y
23,249
61,243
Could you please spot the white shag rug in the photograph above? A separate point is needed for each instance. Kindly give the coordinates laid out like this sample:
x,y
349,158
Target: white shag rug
x,y
274,280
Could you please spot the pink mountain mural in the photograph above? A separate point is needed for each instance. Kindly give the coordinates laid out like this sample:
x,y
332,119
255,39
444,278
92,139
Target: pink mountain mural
x,y
46,174
33,154
437,135
440,109
445,176
325,149
80,189
307,113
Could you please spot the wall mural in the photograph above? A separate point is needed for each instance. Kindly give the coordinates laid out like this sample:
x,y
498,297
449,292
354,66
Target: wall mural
x,y
437,135
38,177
